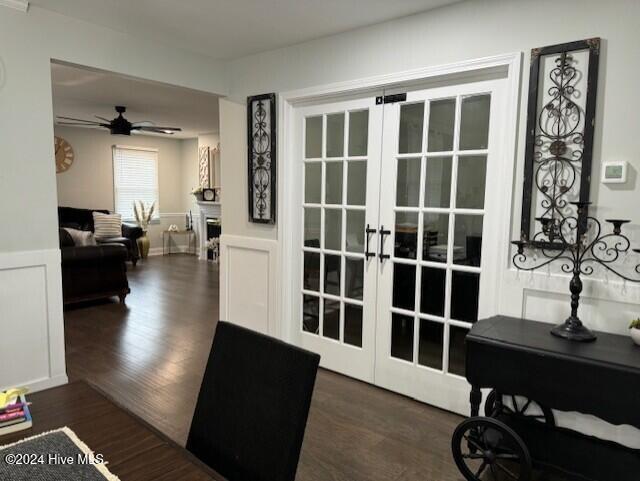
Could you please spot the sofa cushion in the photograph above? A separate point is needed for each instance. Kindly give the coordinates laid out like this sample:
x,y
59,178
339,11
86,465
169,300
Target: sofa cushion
x,y
81,237
65,238
107,225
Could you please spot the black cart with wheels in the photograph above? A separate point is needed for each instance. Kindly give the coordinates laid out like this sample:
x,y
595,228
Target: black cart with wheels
x,y
530,373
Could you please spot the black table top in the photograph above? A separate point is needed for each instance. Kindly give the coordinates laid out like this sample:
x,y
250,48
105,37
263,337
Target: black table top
x,y
518,356
609,349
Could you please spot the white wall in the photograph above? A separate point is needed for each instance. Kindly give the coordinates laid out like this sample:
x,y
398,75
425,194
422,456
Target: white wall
x,y
28,42
89,182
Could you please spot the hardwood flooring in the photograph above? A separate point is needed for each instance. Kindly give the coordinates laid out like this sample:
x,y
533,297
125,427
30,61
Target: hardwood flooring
x,y
150,356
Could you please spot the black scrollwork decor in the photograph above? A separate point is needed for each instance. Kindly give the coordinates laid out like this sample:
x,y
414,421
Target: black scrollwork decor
x,y
261,132
560,125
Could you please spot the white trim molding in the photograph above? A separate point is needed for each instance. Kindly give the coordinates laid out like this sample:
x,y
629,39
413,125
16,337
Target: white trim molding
x,y
21,5
248,283
32,350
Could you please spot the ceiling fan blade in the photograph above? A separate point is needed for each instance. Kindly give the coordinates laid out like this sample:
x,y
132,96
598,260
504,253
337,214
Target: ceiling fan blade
x,y
102,118
160,130
144,123
83,125
79,120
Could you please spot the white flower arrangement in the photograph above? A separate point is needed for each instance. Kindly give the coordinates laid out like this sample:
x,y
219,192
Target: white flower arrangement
x,y
143,217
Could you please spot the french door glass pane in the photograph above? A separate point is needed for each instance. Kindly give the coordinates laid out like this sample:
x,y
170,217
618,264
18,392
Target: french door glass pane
x,y
312,227
437,189
465,289
335,135
474,123
310,313
332,269
313,138
311,271
353,325
357,182
457,350
442,118
406,236
468,240
430,344
432,293
333,229
333,183
411,123
331,319
354,278
402,337
312,182
472,173
358,133
436,237
355,231
408,182
404,286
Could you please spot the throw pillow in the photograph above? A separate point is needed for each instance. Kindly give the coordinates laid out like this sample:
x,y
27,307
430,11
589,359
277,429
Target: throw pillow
x,y
81,237
65,239
107,225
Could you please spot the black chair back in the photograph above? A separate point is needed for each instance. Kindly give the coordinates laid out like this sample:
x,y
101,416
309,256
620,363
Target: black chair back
x,y
253,404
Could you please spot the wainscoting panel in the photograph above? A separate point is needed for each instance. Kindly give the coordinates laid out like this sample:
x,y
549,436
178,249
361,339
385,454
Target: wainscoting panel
x,y
248,283
31,318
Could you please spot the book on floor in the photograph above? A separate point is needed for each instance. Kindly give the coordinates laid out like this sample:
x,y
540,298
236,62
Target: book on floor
x,y
15,414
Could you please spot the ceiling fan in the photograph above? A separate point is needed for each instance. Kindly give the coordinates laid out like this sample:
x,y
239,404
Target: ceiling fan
x,y
119,125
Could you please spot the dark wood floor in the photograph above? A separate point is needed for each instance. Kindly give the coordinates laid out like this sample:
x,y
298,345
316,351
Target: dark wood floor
x,y
150,355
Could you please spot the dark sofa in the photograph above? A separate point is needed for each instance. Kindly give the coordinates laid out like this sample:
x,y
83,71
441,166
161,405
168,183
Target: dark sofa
x,y
82,219
92,272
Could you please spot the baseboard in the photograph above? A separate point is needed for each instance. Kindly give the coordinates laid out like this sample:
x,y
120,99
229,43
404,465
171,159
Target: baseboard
x,y
47,383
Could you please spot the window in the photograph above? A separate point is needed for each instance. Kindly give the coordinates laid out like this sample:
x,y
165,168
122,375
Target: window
x,y
135,177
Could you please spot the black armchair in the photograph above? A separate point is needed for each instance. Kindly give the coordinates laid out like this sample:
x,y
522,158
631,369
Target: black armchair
x,y
82,219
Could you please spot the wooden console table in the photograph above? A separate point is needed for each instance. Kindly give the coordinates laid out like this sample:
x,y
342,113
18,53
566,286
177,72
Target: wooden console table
x,y
533,372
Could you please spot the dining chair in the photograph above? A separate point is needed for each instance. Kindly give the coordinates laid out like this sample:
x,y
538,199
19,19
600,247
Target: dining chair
x,y
252,409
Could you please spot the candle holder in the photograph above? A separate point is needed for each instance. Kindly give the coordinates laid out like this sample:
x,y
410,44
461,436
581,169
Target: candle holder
x,y
579,244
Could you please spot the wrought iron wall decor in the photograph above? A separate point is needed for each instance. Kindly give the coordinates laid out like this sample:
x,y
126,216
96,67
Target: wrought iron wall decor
x,y
261,135
558,166
560,124
204,171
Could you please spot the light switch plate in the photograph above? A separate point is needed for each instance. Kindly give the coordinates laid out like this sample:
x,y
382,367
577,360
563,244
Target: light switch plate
x,y
614,172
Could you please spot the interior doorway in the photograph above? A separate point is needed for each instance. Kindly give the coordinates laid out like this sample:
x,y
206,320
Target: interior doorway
x,y
397,225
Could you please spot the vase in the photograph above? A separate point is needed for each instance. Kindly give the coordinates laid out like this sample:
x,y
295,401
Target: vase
x,y
635,335
143,245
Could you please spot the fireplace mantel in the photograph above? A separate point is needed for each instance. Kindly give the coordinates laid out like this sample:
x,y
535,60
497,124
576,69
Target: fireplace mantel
x,y
207,210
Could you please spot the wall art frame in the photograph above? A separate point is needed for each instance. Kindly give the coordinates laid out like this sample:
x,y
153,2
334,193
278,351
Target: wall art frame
x,y
559,138
261,162
204,166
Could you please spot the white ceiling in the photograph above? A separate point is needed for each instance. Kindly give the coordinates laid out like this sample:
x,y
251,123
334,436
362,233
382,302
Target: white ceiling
x,y
225,29
82,93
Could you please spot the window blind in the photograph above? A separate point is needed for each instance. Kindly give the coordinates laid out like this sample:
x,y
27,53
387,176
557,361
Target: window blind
x,y
135,178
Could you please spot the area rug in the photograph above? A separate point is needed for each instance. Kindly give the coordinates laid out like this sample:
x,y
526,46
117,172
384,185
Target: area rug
x,y
57,455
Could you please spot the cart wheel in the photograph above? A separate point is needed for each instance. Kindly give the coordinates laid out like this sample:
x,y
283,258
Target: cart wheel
x,y
521,407
487,446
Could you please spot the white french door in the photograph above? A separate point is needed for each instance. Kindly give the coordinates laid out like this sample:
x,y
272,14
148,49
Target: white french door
x,y
398,235
439,154
340,160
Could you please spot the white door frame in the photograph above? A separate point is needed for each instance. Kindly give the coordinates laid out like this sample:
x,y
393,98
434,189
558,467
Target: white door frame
x,y
287,210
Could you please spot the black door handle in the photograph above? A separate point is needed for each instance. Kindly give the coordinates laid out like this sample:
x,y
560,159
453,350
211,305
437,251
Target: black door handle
x,y
368,231
383,233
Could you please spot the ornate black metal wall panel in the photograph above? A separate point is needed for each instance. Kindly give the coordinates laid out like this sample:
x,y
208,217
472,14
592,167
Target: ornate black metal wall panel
x,y
560,124
261,135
